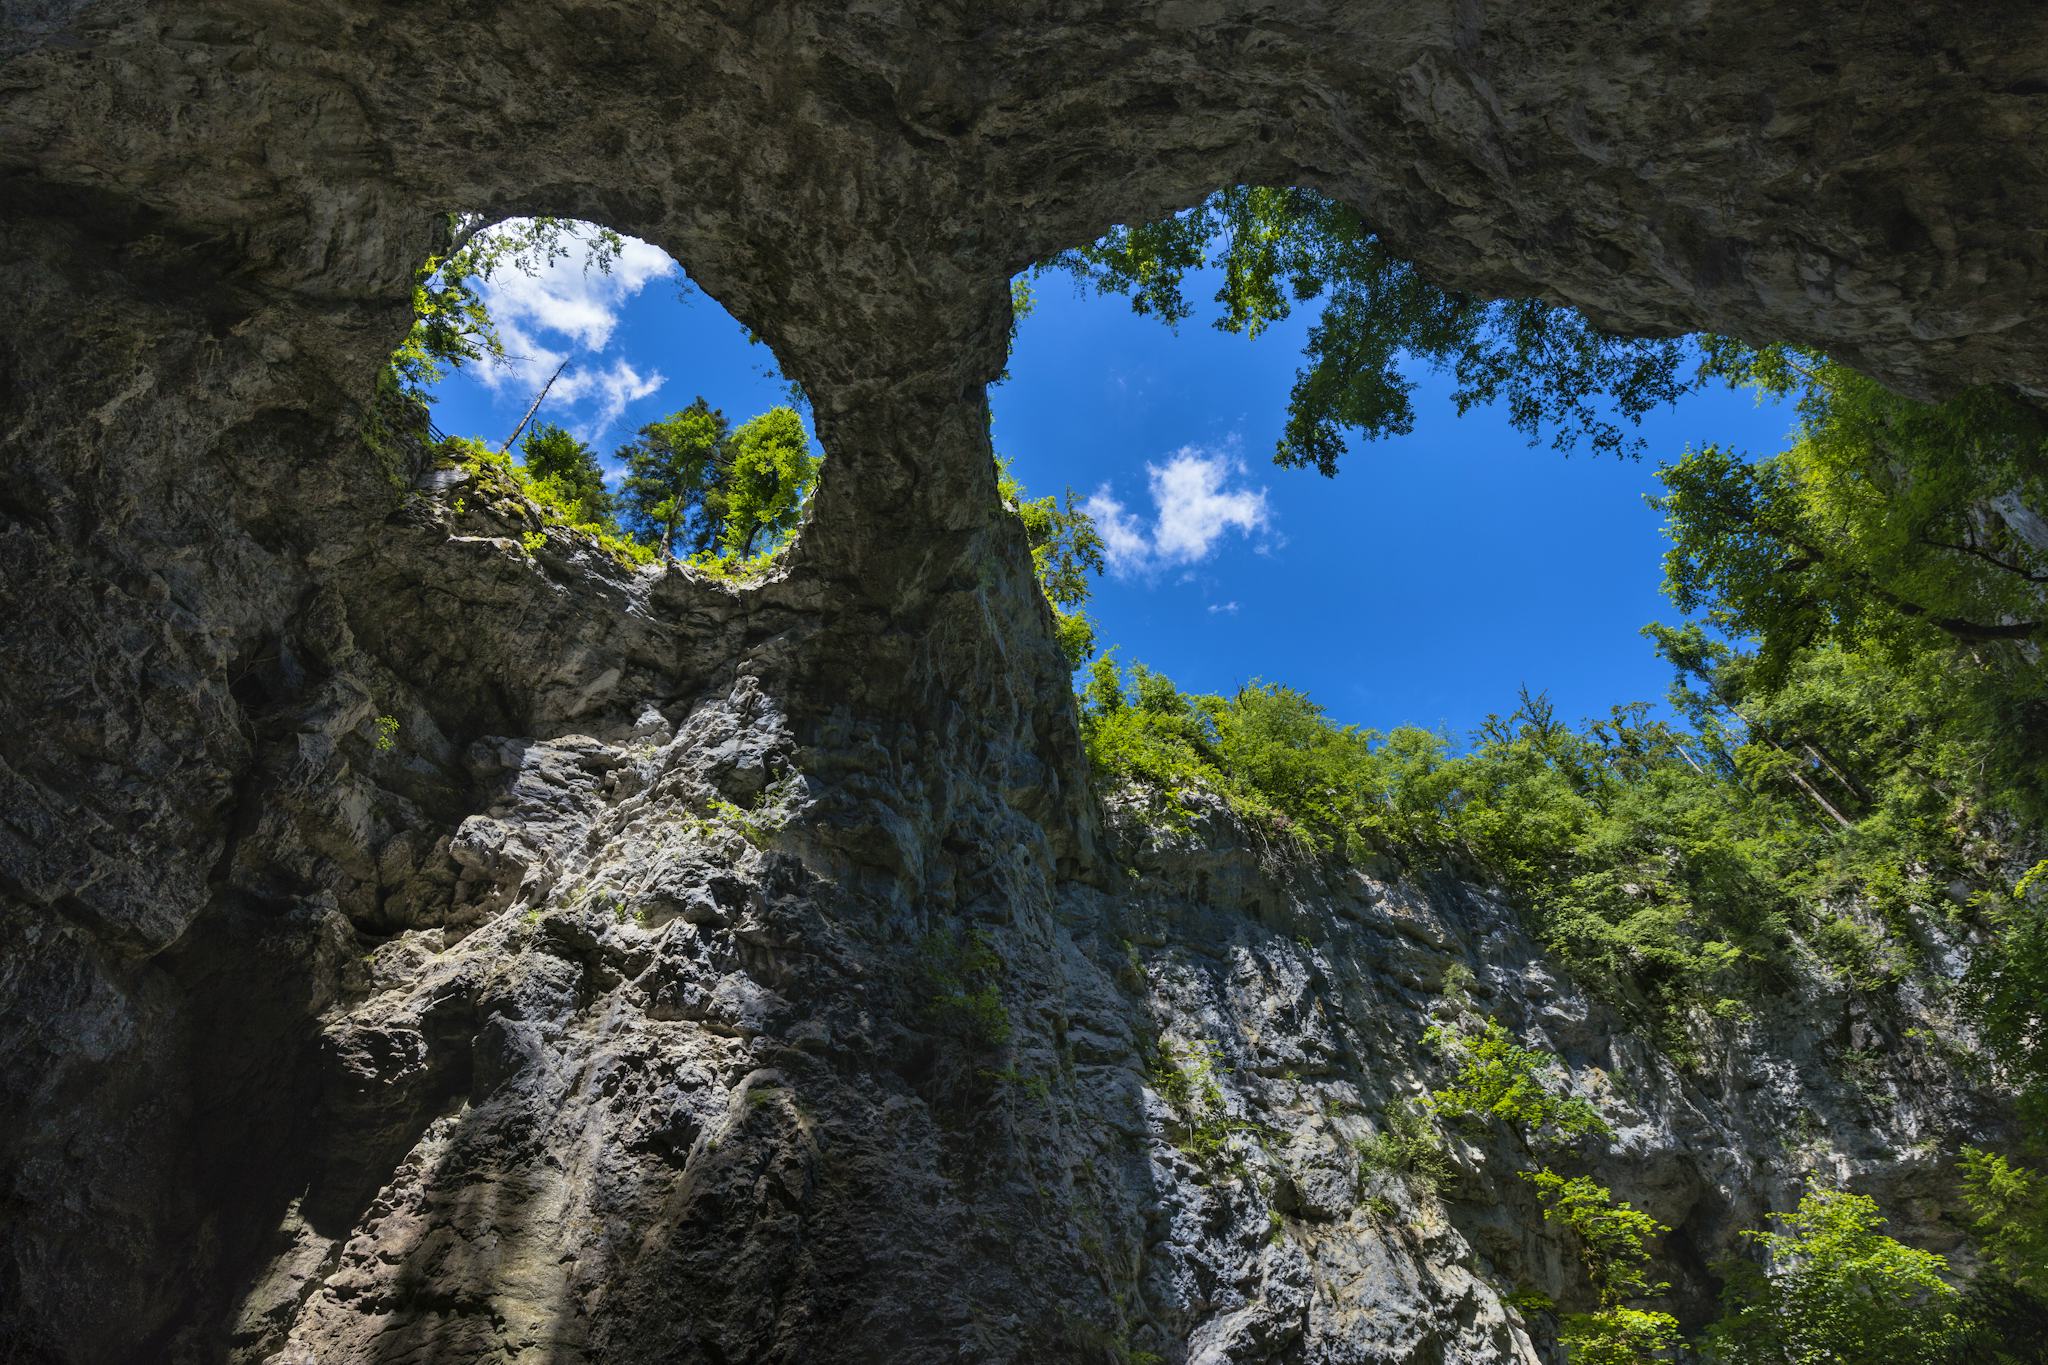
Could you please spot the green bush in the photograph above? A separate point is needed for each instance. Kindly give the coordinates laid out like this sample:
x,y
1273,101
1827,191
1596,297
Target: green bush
x,y
1407,1146
1617,1336
559,504
2008,1206
960,976
1498,1078
1834,1288
1611,1238
1186,1079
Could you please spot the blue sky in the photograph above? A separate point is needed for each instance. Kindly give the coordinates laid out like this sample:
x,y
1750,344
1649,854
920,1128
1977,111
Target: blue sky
x,y
1426,582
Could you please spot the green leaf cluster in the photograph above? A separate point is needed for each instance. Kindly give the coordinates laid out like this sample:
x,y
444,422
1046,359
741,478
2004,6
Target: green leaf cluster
x,y
960,977
1065,550
1185,1077
1610,1236
563,472
735,494
1617,1335
1280,248
452,326
1500,1079
1612,1240
2008,1203
1409,1146
1832,1287
1895,530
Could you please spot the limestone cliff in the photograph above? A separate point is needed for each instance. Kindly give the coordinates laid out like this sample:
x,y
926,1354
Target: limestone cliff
x,y
605,1014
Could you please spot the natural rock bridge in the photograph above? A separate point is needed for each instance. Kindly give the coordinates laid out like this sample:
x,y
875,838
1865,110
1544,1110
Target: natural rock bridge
x,y
729,1136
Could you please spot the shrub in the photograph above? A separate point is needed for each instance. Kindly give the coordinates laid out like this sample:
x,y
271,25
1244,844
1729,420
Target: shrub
x,y
1185,1077
1498,1078
1834,1288
960,975
2009,1211
1616,1336
1610,1235
1611,1241
1409,1147
559,505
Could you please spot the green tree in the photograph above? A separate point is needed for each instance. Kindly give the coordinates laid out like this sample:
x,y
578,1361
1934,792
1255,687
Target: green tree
x,y
1281,247
1834,1290
1888,527
670,466
1611,1238
1065,550
2008,1204
569,473
764,473
2007,989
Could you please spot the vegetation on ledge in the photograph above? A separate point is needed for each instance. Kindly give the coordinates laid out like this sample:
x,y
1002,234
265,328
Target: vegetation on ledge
x,y
1849,776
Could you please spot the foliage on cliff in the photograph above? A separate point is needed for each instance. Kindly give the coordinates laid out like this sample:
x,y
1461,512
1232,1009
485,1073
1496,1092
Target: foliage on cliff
x,y
1853,775
1832,1287
736,495
1065,550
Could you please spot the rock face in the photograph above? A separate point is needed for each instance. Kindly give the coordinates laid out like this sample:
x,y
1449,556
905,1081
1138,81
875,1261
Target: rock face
x,y
715,974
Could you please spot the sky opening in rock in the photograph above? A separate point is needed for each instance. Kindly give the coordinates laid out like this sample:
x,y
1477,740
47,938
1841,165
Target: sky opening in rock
x,y
1427,582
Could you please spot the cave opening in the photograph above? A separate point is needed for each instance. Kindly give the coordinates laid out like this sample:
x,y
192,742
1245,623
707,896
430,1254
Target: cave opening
x,y
1484,524
580,373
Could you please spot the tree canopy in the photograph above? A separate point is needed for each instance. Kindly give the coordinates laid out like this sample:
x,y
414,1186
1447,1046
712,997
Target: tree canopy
x,y
765,473
670,466
1834,1288
1280,248
1885,517
570,470
451,324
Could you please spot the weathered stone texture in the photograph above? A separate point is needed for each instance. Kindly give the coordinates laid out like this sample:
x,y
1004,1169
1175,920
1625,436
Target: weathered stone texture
x,y
738,1130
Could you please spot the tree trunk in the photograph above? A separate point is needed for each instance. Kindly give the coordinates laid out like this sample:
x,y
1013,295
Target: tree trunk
x,y
535,406
1841,774
1799,779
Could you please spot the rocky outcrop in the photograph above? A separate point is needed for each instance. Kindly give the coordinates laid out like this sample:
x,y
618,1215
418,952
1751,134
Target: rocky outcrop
x,y
740,1026
848,801
683,1074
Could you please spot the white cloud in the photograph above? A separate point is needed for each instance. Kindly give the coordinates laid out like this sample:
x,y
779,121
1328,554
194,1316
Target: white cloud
x,y
613,387
1123,541
1223,608
1194,504
1195,508
572,297
563,311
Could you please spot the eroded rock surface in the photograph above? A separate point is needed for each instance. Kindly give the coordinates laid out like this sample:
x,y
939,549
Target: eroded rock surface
x,y
701,1083
320,1050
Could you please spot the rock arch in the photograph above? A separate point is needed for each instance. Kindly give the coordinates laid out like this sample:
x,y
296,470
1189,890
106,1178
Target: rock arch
x,y
208,216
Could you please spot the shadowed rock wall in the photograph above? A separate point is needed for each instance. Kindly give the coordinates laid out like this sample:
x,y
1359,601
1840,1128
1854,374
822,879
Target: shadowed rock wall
x,y
229,1131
